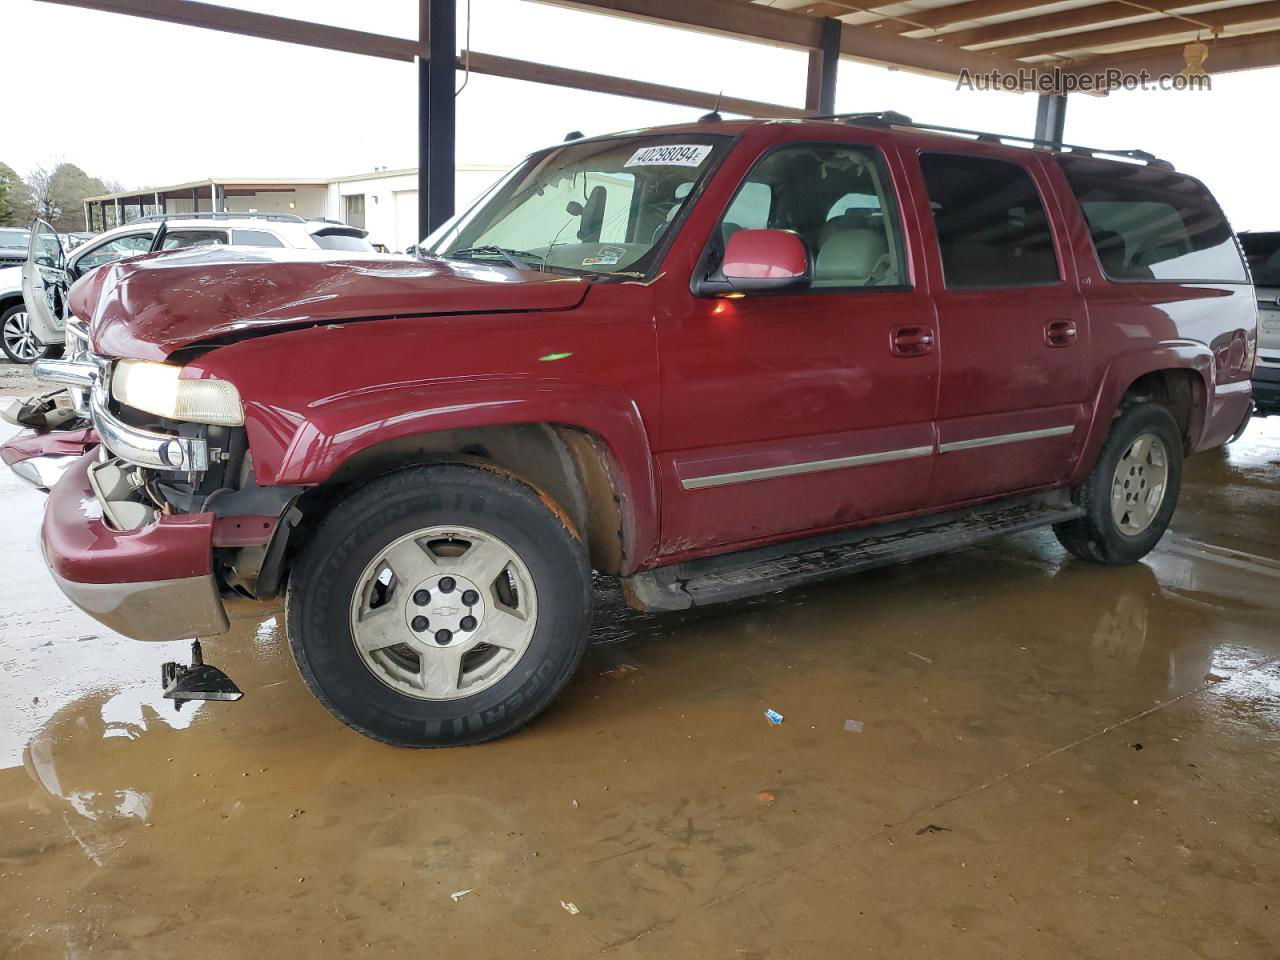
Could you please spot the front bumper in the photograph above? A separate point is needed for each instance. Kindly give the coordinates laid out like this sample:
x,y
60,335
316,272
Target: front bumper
x,y
153,583
42,457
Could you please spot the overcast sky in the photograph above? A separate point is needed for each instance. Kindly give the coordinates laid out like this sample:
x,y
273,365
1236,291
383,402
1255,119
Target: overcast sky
x,y
149,103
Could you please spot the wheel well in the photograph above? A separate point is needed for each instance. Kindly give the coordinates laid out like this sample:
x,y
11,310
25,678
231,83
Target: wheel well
x,y
571,468
1179,391
7,302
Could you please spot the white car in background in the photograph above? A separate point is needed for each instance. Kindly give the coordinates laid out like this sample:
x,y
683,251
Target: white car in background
x,y
33,295
13,245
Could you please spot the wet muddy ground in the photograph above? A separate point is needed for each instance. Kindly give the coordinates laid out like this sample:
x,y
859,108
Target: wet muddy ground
x,y
1046,759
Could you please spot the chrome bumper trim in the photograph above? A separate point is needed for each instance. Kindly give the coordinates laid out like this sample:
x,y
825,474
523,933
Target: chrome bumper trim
x,y
160,451
72,373
43,472
146,448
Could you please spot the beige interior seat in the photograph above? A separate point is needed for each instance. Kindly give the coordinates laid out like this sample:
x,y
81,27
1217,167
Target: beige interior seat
x,y
852,257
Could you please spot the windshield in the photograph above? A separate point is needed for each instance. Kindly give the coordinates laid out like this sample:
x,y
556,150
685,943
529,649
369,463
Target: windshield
x,y
598,208
1263,253
14,239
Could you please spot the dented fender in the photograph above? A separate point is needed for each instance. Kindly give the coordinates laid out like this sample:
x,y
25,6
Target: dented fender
x,y
318,397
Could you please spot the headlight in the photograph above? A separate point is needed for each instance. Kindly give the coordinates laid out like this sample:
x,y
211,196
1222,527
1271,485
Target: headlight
x,y
156,388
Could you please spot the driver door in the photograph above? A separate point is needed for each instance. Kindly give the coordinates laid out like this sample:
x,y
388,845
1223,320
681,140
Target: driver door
x,y
44,284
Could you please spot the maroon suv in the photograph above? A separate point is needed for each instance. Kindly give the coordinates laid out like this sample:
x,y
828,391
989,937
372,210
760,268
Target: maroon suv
x,y
710,360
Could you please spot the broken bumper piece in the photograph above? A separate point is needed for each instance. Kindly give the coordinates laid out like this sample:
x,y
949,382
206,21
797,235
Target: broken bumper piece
x,y
151,583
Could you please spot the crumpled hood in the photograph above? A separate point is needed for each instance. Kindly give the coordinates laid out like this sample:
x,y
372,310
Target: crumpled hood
x,y
148,307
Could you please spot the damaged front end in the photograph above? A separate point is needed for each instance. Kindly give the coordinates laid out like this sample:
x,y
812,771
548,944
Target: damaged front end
x,y
157,515
56,428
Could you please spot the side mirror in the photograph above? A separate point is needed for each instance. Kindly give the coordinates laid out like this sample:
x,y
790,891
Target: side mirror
x,y
760,260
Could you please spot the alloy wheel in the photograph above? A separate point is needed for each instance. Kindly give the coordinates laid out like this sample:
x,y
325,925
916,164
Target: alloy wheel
x,y
443,613
1139,483
18,338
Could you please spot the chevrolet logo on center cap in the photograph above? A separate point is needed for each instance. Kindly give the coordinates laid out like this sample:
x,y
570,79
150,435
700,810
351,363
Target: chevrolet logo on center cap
x,y
444,611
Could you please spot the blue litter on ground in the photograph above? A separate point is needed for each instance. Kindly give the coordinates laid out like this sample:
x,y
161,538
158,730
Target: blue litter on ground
x,y
774,717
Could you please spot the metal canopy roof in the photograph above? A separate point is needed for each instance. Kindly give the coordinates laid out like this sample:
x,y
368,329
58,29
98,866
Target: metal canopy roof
x,y
1074,33
940,37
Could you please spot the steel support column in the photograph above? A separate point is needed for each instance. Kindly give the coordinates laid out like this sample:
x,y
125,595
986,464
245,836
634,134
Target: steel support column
x,y
820,92
437,115
1051,117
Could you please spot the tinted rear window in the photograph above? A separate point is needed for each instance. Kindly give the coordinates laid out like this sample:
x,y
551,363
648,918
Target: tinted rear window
x,y
991,225
1263,253
1153,224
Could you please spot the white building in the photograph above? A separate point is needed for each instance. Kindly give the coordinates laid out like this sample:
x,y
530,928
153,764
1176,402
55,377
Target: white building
x,y
384,202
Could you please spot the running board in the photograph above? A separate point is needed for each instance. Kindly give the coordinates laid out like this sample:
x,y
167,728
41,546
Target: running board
x,y
781,566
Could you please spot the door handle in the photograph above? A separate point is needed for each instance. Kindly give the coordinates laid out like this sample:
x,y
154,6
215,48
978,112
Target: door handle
x,y
1060,333
911,341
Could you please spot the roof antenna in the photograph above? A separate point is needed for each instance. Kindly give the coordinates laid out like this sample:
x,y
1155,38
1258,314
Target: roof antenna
x,y
714,115
573,135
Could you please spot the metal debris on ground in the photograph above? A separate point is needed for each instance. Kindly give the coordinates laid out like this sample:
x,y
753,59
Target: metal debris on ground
x,y
774,717
932,828
853,726
458,895
570,906
920,656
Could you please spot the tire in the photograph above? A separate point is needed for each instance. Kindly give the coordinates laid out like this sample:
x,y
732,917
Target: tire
x,y
1122,520
17,342
531,621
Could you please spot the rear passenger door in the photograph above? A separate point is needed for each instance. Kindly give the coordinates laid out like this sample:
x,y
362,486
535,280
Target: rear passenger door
x,y
1012,328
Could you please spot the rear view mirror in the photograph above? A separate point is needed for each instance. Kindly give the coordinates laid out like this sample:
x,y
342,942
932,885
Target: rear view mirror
x,y
760,260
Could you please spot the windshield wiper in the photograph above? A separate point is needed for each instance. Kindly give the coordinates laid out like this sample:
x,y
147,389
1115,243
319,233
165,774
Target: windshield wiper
x,y
520,259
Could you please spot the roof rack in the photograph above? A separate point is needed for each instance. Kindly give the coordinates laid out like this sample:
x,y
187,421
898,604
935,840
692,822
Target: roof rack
x,y
891,118
221,215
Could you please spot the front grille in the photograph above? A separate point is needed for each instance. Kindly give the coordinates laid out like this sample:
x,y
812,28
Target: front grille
x,y
8,261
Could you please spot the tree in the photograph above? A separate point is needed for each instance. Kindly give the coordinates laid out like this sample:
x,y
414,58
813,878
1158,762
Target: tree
x,y
40,191
68,185
15,205
57,195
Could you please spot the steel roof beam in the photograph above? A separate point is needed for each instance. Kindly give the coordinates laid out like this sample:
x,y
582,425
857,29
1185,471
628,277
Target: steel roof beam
x,y
192,13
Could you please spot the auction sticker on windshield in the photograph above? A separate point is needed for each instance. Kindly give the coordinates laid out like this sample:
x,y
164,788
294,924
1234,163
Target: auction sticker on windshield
x,y
670,155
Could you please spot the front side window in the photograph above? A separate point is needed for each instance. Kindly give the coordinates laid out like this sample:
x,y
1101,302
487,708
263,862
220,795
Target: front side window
x,y
991,225
14,239
838,199
113,250
1149,223
597,208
